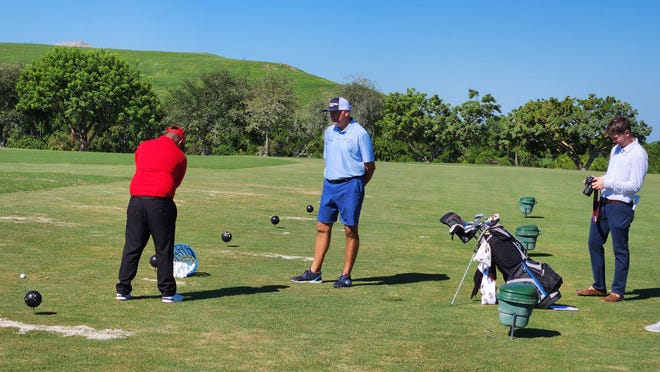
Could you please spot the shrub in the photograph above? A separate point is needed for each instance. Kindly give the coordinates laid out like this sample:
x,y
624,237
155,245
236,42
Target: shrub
x,y
26,143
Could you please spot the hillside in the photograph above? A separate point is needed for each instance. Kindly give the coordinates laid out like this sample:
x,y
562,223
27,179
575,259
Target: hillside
x,y
168,69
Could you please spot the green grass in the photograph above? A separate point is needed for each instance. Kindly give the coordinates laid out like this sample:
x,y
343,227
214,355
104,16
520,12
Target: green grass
x,y
167,70
241,312
25,181
68,158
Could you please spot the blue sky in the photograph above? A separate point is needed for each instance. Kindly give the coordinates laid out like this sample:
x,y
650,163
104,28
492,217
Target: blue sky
x,y
515,50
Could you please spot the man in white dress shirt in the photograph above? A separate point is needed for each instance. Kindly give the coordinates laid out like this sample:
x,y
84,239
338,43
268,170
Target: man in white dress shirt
x,y
614,212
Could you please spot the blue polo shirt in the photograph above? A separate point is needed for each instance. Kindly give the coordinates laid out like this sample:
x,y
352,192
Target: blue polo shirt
x,y
346,151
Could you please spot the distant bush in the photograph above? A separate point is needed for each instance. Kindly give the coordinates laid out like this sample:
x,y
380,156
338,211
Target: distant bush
x,y
563,162
62,141
481,155
653,151
25,142
599,164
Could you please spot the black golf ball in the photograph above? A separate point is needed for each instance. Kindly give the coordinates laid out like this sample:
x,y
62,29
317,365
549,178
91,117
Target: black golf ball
x,y
310,208
274,220
153,261
226,236
33,299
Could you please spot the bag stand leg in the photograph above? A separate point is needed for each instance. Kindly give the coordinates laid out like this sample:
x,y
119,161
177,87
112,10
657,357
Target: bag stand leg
x,y
513,325
463,279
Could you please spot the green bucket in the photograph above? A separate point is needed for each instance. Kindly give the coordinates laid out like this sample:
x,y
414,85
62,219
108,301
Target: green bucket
x,y
527,235
516,302
527,204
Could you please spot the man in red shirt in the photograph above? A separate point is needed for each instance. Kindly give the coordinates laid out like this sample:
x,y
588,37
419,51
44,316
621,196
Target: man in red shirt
x,y
160,166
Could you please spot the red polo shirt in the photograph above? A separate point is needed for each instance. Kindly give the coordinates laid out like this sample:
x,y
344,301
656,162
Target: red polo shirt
x,y
160,166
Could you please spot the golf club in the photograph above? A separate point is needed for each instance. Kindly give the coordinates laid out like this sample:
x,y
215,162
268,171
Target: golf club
x,y
463,278
477,226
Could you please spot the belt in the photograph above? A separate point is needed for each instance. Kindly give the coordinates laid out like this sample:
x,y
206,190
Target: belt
x,y
612,201
150,197
342,180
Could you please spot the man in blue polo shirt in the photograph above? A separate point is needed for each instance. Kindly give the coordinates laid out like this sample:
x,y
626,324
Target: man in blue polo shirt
x,y
349,165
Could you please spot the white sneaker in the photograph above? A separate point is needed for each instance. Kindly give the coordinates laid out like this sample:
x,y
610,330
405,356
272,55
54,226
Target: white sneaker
x,y
172,299
653,327
122,297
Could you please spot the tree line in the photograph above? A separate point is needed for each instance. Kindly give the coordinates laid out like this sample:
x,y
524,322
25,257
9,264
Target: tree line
x,y
91,100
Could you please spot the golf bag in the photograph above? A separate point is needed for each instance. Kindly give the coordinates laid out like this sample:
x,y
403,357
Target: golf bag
x,y
507,254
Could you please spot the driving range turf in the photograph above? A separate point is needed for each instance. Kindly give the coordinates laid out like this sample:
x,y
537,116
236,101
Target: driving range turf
x,y
62,219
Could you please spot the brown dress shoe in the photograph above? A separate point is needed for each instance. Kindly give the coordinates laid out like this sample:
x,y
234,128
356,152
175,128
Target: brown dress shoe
x,y
591,291
612,297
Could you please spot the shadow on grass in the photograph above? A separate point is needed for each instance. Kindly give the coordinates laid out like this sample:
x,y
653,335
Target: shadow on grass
x,y
642,294
231,291
220,292
401,278
528,216
534,333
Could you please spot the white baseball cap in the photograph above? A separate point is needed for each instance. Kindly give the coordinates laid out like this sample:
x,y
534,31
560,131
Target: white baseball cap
x,y
339,104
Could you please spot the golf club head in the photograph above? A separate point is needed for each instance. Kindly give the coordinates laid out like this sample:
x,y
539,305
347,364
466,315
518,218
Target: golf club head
x,y
494,219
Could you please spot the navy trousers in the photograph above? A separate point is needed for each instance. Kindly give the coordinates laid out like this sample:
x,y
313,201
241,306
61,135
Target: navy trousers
x,y
614,220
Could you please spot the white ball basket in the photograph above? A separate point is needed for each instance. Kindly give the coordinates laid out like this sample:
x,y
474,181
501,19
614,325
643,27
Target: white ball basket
x,y
185,261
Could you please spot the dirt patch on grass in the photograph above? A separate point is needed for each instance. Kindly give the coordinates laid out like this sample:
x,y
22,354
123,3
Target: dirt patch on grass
x,y
81,330
34,219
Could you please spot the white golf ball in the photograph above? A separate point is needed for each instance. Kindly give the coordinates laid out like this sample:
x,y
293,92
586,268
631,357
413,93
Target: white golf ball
x,y
22,275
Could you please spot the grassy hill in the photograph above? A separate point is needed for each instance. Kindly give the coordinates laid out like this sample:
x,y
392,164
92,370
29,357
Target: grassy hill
x,y
167,70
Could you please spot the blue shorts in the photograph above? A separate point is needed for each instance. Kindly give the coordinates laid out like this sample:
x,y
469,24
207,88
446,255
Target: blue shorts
x,y
342,199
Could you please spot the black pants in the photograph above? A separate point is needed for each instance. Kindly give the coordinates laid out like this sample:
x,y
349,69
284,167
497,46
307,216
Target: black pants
x,y
155,217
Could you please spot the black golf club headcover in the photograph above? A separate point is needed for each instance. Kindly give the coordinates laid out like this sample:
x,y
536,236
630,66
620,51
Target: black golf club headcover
x,y
478,276
457,226
451,218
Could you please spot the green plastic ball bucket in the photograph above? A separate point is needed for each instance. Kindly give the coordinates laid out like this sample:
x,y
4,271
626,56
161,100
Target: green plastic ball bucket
x,y
516,302
527,204
527,235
